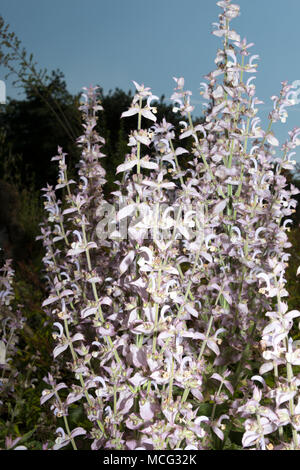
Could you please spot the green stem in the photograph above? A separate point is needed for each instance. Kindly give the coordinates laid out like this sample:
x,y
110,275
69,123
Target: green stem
x,y
66,422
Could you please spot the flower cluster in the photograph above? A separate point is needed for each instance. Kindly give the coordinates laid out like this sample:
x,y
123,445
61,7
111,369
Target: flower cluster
x,y
161,328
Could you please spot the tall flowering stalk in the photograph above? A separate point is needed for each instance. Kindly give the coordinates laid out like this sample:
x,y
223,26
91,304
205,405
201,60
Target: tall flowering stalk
x,y
161,298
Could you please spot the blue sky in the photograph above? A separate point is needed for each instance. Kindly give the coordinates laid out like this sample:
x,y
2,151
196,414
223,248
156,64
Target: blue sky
x,y
112,42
